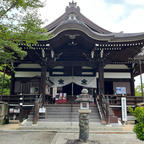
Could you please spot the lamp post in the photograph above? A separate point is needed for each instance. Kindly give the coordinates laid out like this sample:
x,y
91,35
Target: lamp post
x,y
84,99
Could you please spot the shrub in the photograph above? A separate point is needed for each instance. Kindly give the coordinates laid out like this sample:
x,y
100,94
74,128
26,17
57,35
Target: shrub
x,y
138,113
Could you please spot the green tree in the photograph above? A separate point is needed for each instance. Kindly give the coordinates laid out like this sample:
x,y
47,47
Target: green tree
x,y
19,23
6,84
138,90
138,113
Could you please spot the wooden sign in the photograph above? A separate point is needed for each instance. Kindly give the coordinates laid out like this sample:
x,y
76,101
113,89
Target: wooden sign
x,y
124,109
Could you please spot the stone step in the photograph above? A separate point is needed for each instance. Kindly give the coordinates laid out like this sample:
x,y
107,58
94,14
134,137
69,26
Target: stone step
x,y
69,116
66,110
66,120
71,126
64,113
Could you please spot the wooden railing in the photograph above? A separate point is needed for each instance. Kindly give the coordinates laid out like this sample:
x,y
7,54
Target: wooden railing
x,y
26,99
115,100
103,108
99,110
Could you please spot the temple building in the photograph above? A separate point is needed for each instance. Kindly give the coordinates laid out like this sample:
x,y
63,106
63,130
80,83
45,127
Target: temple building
x,y
79,55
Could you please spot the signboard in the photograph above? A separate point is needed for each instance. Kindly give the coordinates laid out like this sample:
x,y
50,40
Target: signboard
x,y
124,109
14,110
121,90
42,110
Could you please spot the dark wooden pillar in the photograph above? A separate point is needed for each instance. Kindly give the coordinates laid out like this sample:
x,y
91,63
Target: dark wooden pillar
x,y
101,78
132,84
43,82
12,83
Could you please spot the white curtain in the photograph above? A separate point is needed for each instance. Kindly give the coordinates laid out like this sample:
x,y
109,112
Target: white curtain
x,y
89,82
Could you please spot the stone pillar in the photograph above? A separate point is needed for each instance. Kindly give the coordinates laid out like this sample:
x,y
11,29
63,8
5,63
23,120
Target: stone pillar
x,y
84,125
43,81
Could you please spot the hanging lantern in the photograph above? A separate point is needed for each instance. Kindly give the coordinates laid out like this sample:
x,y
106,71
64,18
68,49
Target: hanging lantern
x,y
43,53
101,53
52,54
92,54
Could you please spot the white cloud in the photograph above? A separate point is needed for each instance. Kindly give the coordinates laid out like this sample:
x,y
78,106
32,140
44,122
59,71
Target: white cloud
x,y
135,2
134,22
115,17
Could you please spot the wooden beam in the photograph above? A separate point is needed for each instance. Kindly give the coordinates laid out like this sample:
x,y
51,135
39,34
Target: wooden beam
x,y
132,83
43,82
70,63
101,77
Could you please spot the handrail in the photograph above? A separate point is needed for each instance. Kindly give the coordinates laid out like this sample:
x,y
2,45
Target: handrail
x,y
40,100
99,110
103,108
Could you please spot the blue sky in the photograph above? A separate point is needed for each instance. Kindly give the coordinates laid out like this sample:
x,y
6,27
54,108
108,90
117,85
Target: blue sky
x,y
113,15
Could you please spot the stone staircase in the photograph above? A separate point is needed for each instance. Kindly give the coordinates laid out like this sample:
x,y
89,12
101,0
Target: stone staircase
x,y
65,113
65,118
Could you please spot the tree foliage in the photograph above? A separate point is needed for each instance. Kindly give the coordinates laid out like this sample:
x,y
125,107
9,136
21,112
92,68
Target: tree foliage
x,y
138,113
6,84
19,23
138,90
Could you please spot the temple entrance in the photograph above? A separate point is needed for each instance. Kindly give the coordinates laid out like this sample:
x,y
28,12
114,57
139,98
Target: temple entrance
x,y
108,87
72,87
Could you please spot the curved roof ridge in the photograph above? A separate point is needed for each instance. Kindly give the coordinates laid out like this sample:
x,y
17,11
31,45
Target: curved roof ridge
x,y
75,10
122,34
73,19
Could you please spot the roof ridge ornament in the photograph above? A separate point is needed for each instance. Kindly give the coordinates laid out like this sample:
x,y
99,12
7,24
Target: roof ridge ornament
x,y
72,7
72,4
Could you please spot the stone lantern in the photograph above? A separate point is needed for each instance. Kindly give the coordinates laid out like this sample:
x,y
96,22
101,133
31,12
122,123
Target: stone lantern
x,y
84,99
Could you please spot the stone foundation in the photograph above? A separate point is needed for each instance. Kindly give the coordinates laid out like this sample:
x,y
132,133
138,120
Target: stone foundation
x,y
3,113
79,142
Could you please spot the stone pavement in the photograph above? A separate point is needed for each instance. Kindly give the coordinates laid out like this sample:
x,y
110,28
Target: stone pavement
x,y
109,138
45,137
26,137
13,134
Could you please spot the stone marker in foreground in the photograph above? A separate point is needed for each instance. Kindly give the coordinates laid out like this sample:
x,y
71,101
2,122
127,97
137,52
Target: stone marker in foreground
x,y
84,99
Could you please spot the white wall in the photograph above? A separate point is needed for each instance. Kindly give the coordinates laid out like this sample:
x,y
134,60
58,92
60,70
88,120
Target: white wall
x,y
115,66
29,66
115,75
28,74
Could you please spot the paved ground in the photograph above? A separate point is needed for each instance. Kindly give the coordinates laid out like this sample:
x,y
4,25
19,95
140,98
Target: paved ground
x,y
17,137
11,134
10,127
61,138
41,137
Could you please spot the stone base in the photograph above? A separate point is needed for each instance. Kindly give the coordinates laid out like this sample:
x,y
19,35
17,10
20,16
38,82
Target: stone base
x,y
3,113
80,142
